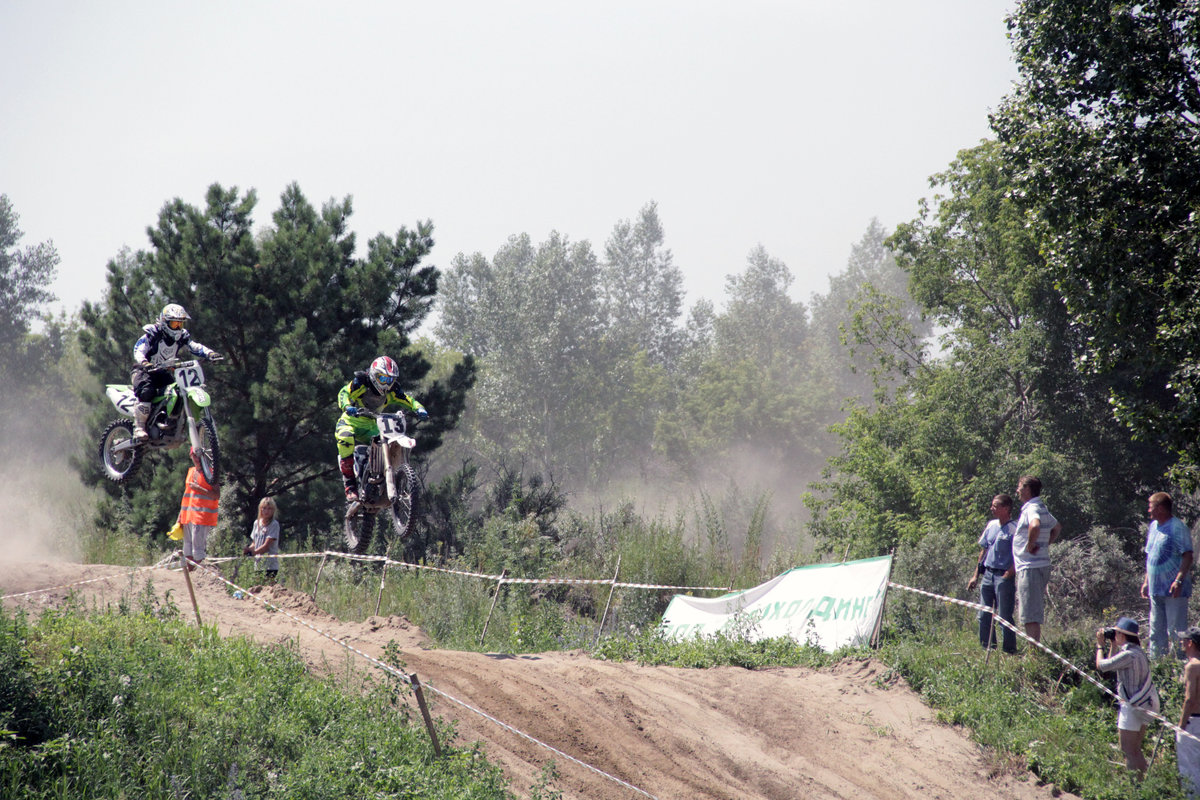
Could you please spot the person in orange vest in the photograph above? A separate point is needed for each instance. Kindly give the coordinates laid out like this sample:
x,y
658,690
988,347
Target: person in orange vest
x,y
197,514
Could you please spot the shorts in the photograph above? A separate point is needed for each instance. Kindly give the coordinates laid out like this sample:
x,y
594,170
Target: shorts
x,y
195,540
1131,718
1031,593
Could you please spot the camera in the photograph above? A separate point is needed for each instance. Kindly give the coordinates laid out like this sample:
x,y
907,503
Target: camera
x,y
1110,633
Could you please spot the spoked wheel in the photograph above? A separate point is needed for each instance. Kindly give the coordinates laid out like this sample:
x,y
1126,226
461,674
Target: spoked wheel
x,y
118,455
358,530
404,506
210,450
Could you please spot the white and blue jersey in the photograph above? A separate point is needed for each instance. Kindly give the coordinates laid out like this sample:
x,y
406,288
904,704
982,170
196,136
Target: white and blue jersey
x,y
158,348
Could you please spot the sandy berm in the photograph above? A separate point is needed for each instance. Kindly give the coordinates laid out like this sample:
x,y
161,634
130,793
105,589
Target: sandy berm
x,y
852,731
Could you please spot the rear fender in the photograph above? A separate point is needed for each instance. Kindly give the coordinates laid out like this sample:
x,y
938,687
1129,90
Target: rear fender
x,y
122,397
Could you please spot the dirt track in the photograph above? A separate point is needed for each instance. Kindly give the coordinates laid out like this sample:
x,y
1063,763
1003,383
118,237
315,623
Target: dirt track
x,y
854,731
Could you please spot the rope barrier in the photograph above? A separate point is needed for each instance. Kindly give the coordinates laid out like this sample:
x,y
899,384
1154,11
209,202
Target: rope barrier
x,y
397,673
503,579
996,619
552,749
73,584
498,578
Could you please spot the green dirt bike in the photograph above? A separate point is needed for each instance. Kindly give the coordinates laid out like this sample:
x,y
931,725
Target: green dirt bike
x,y
179,416
386,480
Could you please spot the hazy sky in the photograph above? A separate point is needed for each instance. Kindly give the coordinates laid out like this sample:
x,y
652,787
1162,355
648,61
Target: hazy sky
x,y
786,123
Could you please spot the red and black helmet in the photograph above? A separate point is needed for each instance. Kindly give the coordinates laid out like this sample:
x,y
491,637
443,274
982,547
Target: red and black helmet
x,y
383,374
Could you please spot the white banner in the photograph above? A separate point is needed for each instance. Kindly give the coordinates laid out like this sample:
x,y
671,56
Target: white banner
x,y
828,605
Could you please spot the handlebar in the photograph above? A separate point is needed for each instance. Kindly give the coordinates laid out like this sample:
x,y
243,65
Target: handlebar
x,y
409,417
176,363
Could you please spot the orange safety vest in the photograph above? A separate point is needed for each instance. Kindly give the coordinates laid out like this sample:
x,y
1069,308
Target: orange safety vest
x,y
200,501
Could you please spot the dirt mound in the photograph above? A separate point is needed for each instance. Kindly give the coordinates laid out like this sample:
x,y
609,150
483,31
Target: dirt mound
x,y
853,731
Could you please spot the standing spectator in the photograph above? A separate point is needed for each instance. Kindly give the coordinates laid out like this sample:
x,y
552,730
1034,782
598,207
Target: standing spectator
x,y
1135,687
1187,749
264,538
1168,581
996,574
1036,530
197,514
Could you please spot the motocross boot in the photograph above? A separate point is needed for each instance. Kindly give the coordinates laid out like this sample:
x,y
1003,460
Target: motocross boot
x,y
141,413
349,483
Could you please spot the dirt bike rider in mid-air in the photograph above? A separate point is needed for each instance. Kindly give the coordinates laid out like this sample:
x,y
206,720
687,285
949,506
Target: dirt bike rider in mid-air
x,y
161,342
374,390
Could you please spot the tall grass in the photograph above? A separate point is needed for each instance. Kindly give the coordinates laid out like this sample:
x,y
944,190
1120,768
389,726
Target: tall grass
x,y
132,703
1027,710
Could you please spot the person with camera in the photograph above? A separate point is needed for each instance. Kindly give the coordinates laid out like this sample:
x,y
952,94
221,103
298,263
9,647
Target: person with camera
x,y
1135,686
1168,581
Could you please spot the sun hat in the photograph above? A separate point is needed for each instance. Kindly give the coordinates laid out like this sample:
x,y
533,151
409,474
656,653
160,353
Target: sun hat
x,y
1127,625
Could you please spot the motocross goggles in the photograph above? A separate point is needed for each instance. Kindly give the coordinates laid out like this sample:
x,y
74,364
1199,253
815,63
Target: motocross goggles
x,y
175,324
386,380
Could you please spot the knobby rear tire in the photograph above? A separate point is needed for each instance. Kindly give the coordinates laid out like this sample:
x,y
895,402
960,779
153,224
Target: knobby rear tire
x,y
358,530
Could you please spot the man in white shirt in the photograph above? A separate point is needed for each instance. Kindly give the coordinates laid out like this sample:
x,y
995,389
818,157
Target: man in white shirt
x,y
1036,530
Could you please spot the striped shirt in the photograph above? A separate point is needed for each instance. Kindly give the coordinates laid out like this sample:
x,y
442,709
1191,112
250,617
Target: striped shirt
x,y
1133,671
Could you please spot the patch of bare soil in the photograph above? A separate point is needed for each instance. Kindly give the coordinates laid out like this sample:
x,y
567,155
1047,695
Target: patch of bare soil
x,y
853,731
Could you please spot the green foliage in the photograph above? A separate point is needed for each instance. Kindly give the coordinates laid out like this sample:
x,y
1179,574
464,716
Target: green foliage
x,y
533,319
27,359
865,303
734,649
749,391
1001,399
1100,133
454,610
125,704
295,313
1031,709
1097,574
643,290
24,275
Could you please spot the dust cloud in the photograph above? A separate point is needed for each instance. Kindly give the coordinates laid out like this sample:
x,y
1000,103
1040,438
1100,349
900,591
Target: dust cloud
x,y
733,487
43,506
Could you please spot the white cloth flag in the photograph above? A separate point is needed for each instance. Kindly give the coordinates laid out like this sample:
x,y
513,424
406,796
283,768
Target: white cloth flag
x,y
828,605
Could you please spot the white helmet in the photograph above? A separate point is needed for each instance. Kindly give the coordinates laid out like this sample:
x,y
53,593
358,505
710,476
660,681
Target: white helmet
x,y
171,320
383,374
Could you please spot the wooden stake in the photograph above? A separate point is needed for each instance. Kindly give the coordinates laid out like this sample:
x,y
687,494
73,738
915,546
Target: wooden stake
x,y
416,685
187,576
317,583
604,616
382,581
486,622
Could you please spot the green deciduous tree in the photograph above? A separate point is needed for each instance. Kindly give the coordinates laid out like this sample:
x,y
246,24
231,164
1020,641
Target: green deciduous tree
x,y
295,312
1103,135
1001,398
34,364
643,289
745,390
24,275
533,319
575,353
866,322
